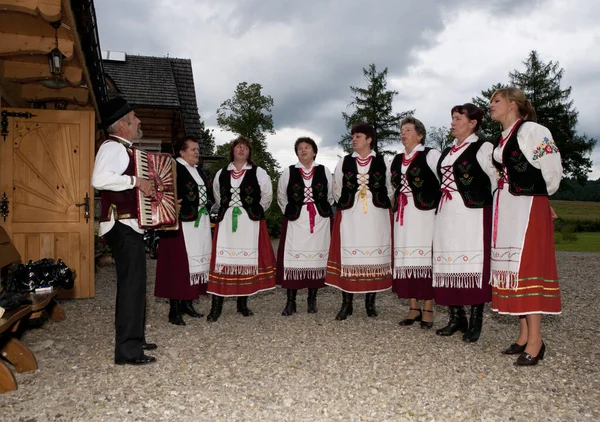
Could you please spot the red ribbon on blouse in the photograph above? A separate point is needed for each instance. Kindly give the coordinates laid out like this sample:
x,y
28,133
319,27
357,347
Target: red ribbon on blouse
x,y
402,202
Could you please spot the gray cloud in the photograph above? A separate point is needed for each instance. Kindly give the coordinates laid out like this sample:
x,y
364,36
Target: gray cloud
x,y
307,54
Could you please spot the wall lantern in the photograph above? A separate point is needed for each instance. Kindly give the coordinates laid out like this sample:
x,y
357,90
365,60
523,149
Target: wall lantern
x,y
55,61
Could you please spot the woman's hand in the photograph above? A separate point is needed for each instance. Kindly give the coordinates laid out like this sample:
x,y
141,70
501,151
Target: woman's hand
x,y
553,214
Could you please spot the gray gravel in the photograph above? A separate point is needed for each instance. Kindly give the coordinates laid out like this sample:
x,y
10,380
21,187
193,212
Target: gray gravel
x,y
310,367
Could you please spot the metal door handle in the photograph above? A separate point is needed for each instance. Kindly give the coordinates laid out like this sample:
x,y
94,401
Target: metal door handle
x,y
86,207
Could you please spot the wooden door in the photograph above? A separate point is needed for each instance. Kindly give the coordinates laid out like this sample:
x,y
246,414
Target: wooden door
x,y
46,164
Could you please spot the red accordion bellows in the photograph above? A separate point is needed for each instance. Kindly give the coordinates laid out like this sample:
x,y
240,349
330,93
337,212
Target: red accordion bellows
x,y
159,211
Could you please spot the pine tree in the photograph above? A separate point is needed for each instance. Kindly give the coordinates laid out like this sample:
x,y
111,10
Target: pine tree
x,y
489,130
373,105
541,83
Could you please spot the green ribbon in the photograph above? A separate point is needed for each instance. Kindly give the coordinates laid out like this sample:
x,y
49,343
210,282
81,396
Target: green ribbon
x,y
202,211
234,222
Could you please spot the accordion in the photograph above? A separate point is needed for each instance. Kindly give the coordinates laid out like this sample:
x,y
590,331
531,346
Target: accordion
x,y
158,212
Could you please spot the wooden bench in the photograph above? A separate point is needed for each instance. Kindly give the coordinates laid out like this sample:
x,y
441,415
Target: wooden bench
x,y
13,350
46,301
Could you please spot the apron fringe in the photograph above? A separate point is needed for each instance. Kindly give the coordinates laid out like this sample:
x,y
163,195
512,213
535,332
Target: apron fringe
x,y
372,270
458,281
412,272
199,278
505,279
236,269
304,273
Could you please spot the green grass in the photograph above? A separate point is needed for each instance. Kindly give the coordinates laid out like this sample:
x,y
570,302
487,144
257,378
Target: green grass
x,y
576,210
586,242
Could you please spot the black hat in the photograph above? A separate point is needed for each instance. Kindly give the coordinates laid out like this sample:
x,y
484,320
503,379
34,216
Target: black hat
x,y
113,110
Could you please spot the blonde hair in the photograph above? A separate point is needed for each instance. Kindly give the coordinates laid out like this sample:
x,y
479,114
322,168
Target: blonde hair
x,y
526,110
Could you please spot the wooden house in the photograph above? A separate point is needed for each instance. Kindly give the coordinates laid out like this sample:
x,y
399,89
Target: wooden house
x,y
51,81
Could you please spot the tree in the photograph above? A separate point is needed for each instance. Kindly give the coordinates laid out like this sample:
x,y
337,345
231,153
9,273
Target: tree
x,y
490,130
541,84
207,139
439,137
248,113
373,105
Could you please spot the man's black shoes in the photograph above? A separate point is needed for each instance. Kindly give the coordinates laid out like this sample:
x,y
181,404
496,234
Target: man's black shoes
x,y
149,346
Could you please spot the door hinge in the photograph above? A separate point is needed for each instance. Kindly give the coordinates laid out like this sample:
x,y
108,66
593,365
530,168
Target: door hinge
x,y
5,114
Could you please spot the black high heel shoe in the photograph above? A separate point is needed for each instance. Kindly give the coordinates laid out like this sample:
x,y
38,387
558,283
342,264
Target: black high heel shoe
x,y
515,349
406,322
525,359
426,325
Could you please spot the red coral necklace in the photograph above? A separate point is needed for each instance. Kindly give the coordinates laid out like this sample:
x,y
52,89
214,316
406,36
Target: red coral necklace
x,y
309,175
363,162
237,174
406,162
455,149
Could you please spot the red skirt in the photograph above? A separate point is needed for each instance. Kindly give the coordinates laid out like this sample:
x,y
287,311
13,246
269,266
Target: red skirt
x,y
172,270
413,288
538,290
356,284
293,284
245,285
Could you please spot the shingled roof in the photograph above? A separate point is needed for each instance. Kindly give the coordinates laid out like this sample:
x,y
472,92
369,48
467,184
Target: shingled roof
x,y
158,82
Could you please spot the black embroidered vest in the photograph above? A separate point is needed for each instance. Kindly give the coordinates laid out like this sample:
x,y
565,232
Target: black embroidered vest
x,y
422,181
523,178
121,204
249,194
376,183
295,193
187,191
472,182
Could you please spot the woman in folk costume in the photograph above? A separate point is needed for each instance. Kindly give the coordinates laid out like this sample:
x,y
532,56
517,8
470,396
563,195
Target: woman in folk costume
x,y
305,195
463,225
243,262
184,259
524,276
360,255
416,197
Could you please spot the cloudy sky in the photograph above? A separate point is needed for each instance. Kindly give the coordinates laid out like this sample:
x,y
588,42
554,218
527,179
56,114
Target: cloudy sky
x,y
307,53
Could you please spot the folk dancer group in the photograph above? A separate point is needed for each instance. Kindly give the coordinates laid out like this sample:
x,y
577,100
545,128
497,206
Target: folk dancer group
x,y
462,227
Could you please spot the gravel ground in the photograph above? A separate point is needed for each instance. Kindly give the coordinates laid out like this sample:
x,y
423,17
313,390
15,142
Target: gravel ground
x,y
309,367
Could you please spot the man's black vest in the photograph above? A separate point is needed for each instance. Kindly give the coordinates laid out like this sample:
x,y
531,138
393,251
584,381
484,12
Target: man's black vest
x,y
523,178
376,183
249,194
295,193
422,181
472,182
187,191
121,204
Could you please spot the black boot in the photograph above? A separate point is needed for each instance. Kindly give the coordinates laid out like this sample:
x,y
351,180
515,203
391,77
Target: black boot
x,y
458,322
475,324
216,308
346,306
290,306
175,312
187,307
242,306
312,301
370,304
